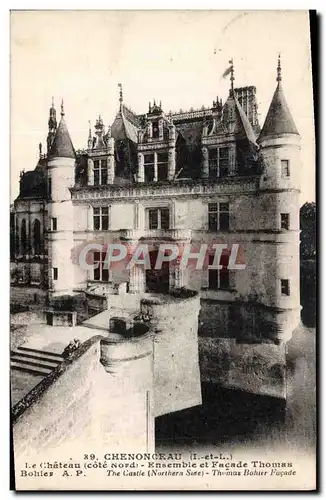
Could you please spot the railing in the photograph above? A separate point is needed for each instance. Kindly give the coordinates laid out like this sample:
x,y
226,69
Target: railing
x,y
174,234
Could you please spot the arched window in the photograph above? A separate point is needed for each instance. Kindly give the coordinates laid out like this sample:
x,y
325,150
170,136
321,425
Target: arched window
x,y
23,237
37,237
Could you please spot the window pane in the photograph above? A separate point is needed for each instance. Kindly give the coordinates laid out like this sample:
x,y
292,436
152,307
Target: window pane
x,y
97,274
149,158
97,257
224,171
285,167
105,275
224,153
105,222
96,210
96,164
162,157
105,210
149,173
96,177
212,207
153,218
212,153
96,220
285,287
212,279
165,218
212,221
224,221
104,176
285,221
224,279
212,171
162,172
224,207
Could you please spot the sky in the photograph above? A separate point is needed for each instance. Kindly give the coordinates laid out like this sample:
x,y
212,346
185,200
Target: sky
x,y
177,57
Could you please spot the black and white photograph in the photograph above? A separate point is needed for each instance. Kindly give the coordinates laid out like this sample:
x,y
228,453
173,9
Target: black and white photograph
x,y
162,250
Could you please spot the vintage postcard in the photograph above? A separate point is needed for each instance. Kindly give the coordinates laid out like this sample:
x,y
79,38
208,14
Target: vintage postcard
x,y
163,248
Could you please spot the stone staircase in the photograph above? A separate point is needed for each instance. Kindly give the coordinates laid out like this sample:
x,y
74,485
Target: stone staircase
x,y
34,361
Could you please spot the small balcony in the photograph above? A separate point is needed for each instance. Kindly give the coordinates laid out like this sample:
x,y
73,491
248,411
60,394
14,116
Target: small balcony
x,y
160,234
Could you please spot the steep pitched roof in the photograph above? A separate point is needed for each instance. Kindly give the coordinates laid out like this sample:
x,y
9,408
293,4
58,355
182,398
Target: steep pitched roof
x,y
62,145
246,123
279,119
122,128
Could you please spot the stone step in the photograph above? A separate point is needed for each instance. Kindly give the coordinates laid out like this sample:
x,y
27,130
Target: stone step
x,y
30,369
36,356
40,362
47,354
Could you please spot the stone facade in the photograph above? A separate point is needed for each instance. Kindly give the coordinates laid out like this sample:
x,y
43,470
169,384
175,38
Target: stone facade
x,y
200,177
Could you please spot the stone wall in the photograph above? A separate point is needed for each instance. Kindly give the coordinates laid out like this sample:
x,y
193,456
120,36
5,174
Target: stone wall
x,y
73,404
255,368
176,366
27,296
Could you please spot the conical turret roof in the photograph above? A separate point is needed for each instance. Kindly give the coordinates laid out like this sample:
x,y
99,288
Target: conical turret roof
x,y
62,146
279,119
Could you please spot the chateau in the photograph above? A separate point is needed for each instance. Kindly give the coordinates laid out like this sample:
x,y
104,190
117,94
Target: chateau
x,y
198,176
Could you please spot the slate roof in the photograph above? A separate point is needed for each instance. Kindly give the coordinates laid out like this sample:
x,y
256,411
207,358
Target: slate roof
x,y
62,146
279,119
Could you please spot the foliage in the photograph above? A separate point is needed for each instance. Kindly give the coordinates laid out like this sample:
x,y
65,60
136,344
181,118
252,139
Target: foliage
x,y
308,231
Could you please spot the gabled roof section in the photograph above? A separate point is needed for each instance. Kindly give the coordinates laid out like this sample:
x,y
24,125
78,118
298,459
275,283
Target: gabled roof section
x,y
251,136
122,127
62,146
279,119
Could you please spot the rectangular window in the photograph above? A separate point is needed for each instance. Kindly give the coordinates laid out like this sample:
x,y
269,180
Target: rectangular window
x,y
158,218
100,172
104,172
223,162
96,173
213,163
149,167
101,273
285,221
218,162
101,218
285,168
285,287
224,217
219,279
162,166
54,224
212,216
55,273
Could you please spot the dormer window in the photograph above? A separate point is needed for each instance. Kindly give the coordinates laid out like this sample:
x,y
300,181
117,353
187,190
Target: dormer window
x,y
162,166
218,162
100,172
149,167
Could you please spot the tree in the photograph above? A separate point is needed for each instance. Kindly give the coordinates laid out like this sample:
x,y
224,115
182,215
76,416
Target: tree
x,y
308,231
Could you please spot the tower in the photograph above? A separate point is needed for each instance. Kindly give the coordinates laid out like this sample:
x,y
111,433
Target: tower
x,y
279,207
61,162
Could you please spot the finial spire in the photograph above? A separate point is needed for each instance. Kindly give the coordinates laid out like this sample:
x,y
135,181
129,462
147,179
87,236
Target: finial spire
x,y
120,95
52,102
40,149
232,74
279,69
62,109
89,129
